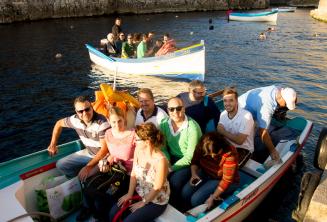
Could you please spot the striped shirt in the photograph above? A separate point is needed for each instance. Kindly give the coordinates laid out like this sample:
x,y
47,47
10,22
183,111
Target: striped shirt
x,y
224,168
89,134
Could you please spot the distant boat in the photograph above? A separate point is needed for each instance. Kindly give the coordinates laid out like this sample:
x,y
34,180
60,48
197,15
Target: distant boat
x,y
285,9
188,63
265,16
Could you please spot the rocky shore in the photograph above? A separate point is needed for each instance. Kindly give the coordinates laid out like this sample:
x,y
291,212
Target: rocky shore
x,y
25,10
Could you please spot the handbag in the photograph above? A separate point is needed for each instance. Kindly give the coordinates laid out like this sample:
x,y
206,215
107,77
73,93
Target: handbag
x,y
108,182
126,204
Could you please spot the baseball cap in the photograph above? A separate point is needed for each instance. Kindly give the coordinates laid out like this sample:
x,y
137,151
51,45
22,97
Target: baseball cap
x,y
289,95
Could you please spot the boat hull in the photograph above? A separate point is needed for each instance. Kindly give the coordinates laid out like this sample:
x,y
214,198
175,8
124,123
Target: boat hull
x,y
254,17
186,63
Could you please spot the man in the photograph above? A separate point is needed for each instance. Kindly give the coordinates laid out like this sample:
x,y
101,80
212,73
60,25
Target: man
x,y
116,28
182,134
201,109
119,43
262,103
142,47
128,48
91,127
236,123
168,46
111,47
148,112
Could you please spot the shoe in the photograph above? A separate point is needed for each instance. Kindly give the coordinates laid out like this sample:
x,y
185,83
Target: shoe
x,y
83,215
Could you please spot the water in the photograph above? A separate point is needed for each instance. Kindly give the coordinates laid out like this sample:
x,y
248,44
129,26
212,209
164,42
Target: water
x,y
37,89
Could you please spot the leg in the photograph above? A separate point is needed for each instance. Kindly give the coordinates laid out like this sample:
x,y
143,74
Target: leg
x,y
113,212
72,164
147,213
177,179
203,192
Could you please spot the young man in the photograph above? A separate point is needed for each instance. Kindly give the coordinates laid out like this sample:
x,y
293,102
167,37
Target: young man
x,y
262,103
91,127
236,123
195,106
148,112
116,28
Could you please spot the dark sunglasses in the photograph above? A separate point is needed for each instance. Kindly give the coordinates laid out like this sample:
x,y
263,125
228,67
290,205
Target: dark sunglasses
x,y
172,109
86,110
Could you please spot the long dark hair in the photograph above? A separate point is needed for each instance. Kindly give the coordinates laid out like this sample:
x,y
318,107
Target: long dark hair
x,y
212,143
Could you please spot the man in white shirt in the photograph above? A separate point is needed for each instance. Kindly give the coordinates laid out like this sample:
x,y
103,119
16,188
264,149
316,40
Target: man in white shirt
x,y
236,123
148,112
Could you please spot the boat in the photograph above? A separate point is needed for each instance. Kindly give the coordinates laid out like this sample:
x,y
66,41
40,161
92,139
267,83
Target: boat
x,y
19,177
285,9
186,63
266,16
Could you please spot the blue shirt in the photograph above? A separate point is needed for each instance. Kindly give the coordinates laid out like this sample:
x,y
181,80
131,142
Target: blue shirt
x,y
261,102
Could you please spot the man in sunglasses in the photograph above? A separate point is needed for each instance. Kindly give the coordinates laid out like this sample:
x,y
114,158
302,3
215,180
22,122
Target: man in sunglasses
x,y
91,127
200,107
182,134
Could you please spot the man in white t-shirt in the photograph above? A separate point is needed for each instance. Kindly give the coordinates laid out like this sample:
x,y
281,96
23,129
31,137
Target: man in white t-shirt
x,y
236,123
148,112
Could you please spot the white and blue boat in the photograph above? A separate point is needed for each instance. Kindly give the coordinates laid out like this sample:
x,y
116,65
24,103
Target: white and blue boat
x,y
20,177
265,16
187,63
285,9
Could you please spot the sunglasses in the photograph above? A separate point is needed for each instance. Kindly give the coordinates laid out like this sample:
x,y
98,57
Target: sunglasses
x,y
172,109
86,110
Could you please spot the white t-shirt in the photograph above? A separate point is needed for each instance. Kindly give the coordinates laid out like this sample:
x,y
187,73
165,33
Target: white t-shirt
x,y
156,117
241,123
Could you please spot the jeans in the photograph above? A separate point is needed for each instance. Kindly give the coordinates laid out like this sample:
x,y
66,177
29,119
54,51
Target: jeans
x,y
177,179
144,214
73,163
196,195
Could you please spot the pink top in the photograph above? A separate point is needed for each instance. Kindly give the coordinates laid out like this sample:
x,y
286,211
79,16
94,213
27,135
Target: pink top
x,y
122,149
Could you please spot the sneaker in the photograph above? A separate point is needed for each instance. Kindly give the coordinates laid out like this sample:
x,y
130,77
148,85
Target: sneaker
x,y
83,214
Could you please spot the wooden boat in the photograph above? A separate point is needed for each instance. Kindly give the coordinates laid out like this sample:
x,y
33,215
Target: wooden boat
x,y
266,16
285,9
186,63
19,177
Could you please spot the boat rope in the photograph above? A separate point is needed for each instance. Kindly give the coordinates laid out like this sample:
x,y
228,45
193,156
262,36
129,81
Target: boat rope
x,y
34,213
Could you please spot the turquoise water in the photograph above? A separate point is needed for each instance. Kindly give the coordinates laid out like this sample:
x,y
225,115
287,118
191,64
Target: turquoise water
x,y
37,89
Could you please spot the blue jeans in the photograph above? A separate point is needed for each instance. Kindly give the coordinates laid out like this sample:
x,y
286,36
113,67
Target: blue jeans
x,y
72,164
144,214
196,195
177,179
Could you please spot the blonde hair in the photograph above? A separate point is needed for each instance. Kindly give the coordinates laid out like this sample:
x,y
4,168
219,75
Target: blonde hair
x,y
115,110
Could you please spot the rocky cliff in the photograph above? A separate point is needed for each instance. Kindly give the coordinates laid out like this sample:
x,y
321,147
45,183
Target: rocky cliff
x,y
22,10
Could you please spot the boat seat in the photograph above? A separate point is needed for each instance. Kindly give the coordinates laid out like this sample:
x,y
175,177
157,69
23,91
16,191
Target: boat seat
x,y
253,168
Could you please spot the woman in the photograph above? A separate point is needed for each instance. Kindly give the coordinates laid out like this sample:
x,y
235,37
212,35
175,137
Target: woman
x,y
121,146
214,171
148,177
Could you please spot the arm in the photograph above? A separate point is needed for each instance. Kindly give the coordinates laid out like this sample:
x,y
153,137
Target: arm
x,y
52,148
236,138
160,178
266,139
85,171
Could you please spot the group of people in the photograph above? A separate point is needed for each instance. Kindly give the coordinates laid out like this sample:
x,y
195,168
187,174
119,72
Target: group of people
x,y
170,156
263,36
136,45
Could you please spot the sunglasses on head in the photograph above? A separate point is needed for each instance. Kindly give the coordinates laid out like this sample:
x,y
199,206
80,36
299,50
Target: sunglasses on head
x,y
82,110
178,109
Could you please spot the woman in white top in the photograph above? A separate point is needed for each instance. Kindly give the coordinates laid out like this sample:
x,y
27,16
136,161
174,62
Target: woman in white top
x,y
148,178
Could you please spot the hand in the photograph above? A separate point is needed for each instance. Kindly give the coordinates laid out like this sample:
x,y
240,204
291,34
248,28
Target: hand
x,y
221,129
136,206
275,156
110,160
52,149
84,173
104,166
194,177
123,199
210,202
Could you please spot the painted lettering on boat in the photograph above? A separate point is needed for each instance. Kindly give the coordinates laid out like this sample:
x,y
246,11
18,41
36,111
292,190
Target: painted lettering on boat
x,y
249,196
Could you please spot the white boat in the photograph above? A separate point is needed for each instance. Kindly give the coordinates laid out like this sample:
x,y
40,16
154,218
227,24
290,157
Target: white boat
x,y
19,178
186,63
266,16
285,9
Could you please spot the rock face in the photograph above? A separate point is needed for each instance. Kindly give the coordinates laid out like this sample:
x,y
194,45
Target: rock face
x,y
22,10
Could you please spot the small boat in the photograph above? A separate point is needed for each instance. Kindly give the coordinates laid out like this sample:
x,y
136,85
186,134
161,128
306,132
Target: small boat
x,y
20,177
187,63
285,9
266,16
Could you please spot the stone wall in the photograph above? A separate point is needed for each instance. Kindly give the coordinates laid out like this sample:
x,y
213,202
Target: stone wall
x,y
22,10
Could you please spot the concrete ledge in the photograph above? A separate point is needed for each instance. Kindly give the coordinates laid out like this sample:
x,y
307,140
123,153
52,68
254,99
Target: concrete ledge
x,y
317,210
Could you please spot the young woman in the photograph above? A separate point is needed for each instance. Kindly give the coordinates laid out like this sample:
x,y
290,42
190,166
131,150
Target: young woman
x,y
121,145
148,178
214,171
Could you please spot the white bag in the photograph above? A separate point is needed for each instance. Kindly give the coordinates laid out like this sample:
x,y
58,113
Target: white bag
x,y
64,198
